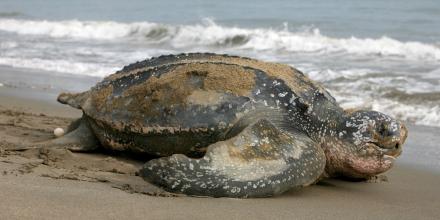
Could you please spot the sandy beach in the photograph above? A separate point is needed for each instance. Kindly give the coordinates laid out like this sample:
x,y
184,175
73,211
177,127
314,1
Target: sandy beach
x,y
374,55
58,184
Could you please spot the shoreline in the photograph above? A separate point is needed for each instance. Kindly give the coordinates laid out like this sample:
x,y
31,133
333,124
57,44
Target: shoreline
x,y
44,82
106,185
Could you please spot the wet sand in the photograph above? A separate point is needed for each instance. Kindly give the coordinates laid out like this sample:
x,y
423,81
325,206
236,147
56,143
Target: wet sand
x,y
58,184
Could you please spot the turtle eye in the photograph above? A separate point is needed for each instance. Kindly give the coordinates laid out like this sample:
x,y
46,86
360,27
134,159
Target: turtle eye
x,y
383,130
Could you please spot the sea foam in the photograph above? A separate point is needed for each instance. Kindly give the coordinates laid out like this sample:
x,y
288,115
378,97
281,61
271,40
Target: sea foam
x,y
208,33
60,66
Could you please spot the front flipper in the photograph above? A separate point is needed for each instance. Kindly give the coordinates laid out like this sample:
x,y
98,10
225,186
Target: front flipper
x,y
80,137
260,161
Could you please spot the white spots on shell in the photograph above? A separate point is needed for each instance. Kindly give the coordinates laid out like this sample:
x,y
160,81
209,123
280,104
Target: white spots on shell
x,y
282,94
258,92
277,103
222,125
265,140
292,100
199,174
310,109
276,83
235,189
184,187
342,133
175,184
203,185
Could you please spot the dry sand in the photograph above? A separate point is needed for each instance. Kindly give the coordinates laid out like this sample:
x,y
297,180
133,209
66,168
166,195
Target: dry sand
x,y
58,184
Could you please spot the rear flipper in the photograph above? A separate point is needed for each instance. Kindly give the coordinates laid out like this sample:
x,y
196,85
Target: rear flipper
x,y
79,137
260,161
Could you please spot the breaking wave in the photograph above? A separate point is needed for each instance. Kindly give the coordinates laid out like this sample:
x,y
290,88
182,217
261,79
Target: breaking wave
x,y
59,66
208,33
420,112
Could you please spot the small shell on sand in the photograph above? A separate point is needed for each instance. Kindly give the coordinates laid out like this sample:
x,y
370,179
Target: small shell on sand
x,y
58,132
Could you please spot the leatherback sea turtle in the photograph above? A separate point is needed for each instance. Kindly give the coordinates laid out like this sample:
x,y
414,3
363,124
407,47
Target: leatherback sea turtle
x,y
228,126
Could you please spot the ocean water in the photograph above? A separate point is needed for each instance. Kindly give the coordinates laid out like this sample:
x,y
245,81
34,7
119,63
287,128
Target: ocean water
x,y
381,55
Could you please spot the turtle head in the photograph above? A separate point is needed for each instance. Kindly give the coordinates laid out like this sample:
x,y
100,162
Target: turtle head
x,y
367,144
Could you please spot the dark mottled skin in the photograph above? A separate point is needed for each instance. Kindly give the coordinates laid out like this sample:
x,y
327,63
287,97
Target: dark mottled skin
x,y
261,109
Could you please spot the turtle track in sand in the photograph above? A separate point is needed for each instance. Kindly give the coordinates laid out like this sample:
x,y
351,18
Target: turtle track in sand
x,y
18,127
